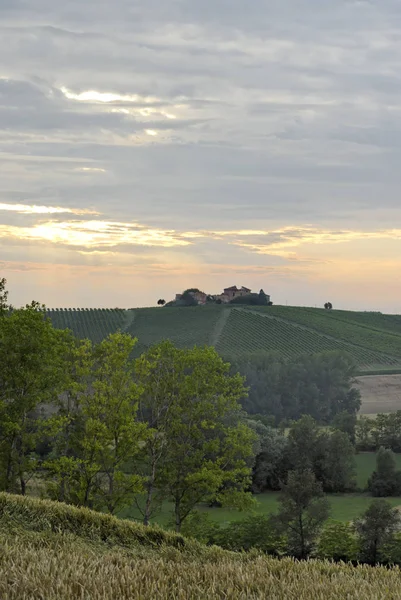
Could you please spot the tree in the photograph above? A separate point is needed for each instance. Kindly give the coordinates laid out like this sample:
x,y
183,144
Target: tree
x,y
375,529
346,422
385,480
270,465
320,385
363,434
187,298
4,307
386,431
113,436
108,437
263,373
328,306
66,427
161,302
304,444
160,373
262,298
209,449
339,464
32,372
303,511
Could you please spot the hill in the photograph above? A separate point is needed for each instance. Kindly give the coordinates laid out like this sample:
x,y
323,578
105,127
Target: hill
x,y
373,339
52,551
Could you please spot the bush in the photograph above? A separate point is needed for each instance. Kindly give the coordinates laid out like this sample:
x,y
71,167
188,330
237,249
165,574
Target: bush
x,y
199,526
257,531
391,552
337,542
376,529
385,480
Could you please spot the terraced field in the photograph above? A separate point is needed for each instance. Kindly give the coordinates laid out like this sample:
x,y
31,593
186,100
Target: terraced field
x,y
373,339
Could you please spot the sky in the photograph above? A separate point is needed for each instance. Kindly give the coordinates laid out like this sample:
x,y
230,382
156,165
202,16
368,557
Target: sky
x,y
148,147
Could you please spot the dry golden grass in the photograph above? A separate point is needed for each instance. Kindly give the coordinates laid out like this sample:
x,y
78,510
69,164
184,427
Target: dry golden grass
x,y
56,563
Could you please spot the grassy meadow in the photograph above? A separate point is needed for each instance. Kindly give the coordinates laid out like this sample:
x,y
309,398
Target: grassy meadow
x,y
344,507
52,551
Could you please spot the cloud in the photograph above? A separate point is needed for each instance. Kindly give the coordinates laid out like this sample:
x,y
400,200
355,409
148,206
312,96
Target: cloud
x,y
94,234
45,210
243,122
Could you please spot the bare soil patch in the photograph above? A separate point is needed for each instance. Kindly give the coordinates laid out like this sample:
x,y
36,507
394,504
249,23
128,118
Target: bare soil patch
x,y
380,393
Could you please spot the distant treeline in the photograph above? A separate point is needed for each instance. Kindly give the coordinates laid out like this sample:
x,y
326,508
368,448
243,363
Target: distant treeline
x,y
319,385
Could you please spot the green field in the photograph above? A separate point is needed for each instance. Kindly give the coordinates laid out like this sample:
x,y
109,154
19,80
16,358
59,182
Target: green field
x,y
343,507
373,339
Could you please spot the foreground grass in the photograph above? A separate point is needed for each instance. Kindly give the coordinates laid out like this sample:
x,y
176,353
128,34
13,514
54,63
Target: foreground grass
x,y
68,553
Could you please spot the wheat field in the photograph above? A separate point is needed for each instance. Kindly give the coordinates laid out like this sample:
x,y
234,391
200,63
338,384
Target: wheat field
x,y
51,551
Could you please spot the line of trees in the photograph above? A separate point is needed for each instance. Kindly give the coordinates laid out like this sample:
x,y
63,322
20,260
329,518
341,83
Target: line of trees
x,y
384,430
320,385
328,453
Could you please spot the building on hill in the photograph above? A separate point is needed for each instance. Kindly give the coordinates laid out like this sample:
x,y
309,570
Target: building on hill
x,y
233,292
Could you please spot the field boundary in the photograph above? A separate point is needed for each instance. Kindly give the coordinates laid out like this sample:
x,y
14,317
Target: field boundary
x,y
218,328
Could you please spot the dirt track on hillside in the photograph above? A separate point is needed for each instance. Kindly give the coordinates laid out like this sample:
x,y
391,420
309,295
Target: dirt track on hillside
x,y
380,393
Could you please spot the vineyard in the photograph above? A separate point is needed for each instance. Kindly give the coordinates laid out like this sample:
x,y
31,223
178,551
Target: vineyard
x,y
344,327
373,339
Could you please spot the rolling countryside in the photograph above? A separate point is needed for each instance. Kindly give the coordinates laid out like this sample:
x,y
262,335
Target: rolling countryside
x,y
372,339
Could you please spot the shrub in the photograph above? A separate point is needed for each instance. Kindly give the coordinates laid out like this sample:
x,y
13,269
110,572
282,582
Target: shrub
x,y
257,531
337,542
385,480
201,527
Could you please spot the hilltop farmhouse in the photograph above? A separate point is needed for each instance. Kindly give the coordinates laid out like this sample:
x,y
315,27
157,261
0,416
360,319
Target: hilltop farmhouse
x,y
228,294
233,292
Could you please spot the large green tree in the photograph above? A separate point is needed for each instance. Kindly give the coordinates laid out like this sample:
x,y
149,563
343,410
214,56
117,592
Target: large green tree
x,y
160,372
64,428
207,448
99,435
330,455
338,468
303,511
113,433
31,373
270,467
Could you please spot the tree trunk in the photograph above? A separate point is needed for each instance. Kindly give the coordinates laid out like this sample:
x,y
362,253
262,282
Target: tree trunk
x,y
302,537
86,498
23,486
150,486
148,505
9,477
177,516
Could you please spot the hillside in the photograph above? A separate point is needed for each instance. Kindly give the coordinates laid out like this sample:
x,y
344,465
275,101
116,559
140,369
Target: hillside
x,y
373,339
52,551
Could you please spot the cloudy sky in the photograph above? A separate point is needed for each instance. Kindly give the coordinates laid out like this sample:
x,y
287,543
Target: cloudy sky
x,y
151,146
